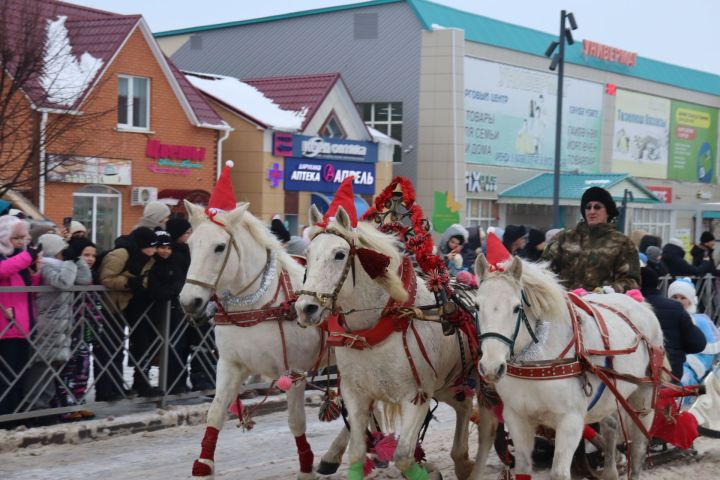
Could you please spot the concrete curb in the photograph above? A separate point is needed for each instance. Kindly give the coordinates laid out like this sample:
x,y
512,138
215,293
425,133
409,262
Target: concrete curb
x,y
110,426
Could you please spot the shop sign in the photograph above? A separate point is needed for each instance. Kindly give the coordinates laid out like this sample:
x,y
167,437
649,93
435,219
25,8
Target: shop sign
x,y
475,182
104,171
325,148
664,194
319,176
610,54
174,159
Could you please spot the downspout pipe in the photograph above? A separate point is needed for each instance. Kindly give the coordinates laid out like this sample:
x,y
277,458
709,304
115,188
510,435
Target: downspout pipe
x,y
42,166
219,162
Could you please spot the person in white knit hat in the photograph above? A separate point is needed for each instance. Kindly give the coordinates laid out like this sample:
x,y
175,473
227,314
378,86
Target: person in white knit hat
x,y
696,365
155,216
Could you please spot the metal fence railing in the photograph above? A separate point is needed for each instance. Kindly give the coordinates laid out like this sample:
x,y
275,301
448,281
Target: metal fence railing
x,y
97,355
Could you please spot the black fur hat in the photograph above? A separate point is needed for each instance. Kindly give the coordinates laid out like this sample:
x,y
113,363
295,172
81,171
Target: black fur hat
x,y
597,194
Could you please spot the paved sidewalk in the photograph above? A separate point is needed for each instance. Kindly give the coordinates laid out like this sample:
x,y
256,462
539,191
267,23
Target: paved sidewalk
x,y
125,419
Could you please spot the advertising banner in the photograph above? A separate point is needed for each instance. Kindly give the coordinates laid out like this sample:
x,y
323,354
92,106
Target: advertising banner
x,y
306,175
74,169
510,116
693,143
326,148
640,139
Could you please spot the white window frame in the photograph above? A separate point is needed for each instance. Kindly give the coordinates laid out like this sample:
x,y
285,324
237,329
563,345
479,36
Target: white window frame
x,y
129,127
485,216
386,124
655,221
117,194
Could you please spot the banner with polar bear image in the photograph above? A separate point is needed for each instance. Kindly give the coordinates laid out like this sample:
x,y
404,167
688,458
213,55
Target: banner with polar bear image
x,y
641,131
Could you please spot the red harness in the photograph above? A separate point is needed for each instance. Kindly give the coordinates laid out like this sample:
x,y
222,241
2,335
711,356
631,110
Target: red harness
x,y
394,318
579,364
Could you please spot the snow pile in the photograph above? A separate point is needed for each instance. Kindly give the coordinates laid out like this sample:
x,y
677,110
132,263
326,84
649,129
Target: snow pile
x,y
247,99
64,77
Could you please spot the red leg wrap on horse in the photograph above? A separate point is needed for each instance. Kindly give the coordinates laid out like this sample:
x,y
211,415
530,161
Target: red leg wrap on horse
x,y
201,470
208,443
305,454
523,476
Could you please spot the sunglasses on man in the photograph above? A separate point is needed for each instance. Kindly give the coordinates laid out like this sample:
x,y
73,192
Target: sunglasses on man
x,y
594,206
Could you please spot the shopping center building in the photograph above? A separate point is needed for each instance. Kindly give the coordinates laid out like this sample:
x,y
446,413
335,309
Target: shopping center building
x,y
473,102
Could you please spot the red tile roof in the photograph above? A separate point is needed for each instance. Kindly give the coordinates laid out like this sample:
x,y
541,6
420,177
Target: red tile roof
x,y
97,32
296,92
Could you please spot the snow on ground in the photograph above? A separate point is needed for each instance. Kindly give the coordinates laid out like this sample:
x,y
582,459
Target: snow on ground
x,y
267,452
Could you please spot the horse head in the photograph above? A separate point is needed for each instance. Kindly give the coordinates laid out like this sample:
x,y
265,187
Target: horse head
x,y
332,276
225,253
512,299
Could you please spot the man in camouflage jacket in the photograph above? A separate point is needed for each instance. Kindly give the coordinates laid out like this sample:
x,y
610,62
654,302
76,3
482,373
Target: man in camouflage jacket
x,y
594,254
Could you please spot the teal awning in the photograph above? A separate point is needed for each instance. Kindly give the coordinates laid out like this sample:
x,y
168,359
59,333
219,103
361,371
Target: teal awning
x,y
711,214
539,189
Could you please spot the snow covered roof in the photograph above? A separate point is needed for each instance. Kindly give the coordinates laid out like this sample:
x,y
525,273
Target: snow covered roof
x,y
80,44
248,101
380,137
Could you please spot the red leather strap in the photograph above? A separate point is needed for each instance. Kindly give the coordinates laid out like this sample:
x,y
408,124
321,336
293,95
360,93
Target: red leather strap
x,y
550,371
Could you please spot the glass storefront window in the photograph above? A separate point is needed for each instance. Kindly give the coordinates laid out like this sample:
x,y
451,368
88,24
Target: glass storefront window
x,y
99,208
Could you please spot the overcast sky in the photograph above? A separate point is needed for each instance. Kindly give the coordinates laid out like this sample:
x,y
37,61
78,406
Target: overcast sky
x,y
682,32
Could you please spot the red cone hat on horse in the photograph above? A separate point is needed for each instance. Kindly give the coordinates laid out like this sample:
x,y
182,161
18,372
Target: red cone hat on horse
x,y
345,198
222,198
496,253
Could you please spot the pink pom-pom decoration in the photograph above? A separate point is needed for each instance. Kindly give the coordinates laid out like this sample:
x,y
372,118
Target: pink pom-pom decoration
x,y
580,292
467,278
636,295
385,448
284,383
236,407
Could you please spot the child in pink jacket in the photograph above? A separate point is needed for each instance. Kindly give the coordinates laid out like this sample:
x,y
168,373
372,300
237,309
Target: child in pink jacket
x,y
18,268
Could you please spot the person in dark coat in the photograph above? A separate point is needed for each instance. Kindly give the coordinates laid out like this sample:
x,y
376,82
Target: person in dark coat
x,y
198,340
673,256
649,241
681,334
703,251
514,238
165,281
476,236
534,247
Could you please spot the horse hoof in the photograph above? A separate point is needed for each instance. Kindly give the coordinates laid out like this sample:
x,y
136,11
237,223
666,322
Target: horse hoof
x,y
203,468
327,468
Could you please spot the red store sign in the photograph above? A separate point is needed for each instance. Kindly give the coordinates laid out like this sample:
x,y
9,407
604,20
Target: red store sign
x,y
611,54
664,194
173,159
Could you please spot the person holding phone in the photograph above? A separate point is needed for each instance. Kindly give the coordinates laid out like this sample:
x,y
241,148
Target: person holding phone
x,y
451,244
18,268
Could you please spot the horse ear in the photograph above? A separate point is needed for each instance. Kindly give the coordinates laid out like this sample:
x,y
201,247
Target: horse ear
x,y
234,216
343,219
515,268
314,215
481,266
195,213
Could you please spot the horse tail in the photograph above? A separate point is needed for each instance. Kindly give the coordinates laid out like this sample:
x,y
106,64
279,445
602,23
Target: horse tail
x,y
391,414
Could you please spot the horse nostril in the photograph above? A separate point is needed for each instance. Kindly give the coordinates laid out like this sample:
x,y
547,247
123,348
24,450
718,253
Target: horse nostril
x,y
480,367
310,309
196,303
501,371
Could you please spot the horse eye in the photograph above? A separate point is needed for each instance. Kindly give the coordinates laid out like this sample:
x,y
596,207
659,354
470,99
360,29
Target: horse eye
x,y
516,309
219,248
340,256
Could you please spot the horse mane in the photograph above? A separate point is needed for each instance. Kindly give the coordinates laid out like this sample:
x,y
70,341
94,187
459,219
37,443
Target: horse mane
x,y
543,291
261,233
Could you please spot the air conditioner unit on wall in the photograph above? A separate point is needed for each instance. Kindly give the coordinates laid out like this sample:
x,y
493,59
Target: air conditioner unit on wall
x,y
143,195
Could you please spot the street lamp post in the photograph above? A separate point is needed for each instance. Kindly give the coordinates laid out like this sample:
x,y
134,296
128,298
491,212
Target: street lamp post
x,y
558,62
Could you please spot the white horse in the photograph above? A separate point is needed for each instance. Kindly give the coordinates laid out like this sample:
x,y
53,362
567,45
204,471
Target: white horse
x,y
525,301
385,371
241,262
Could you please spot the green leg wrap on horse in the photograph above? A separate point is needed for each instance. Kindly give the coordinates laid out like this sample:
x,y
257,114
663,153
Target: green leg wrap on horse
x,y
355,471
416,472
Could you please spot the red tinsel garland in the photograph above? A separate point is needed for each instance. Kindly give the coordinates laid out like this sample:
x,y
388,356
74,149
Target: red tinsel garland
x,y
420,243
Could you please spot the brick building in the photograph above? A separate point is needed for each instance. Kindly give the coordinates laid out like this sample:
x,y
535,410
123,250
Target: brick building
x,y
151,134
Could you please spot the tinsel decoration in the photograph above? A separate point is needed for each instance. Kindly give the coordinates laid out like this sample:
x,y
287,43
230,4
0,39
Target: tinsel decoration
x,y
385,447
368,467
330,407
420,398
231,302
419,453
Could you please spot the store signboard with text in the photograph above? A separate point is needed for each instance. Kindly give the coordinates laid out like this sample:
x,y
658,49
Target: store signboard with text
x,y
693,143
325,148
510,116
640,138
75,169
307,175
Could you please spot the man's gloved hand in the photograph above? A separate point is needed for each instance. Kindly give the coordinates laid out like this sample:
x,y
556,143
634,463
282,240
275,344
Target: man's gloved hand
x,y
69,254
